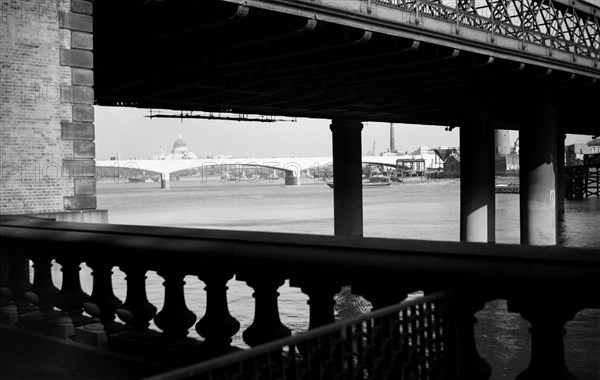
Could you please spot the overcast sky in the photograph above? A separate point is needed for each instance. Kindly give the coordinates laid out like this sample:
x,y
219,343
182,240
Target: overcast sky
x,y
126,132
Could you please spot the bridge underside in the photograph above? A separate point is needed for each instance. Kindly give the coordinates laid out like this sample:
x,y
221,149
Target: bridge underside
x,y
216,56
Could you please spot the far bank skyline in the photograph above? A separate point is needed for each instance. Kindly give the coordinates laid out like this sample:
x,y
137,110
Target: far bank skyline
x,y
126,132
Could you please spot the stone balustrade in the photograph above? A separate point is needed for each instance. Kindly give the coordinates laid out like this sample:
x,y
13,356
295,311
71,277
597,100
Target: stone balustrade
x,y
384,271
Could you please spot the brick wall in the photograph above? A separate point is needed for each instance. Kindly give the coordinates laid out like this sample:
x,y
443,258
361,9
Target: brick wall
x,y
46,89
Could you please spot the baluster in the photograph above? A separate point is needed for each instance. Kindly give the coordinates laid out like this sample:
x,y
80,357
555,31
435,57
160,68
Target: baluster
x,y
321,301
71,298
217,326
18,282
43,289
267,325
43,294
175,318
547,318
3,270
470,364
103,296
137,311
8,310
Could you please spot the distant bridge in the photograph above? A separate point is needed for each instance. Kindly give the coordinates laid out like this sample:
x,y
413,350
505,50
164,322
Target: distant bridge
x,y
293,166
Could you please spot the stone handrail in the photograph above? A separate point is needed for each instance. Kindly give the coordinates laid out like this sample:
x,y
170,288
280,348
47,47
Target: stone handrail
x,y
384,271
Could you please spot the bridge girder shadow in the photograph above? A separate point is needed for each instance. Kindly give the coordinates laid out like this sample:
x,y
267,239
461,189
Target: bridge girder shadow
x,y
220,56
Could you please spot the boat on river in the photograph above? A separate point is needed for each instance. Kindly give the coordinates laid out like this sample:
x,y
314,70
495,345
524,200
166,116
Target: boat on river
x,y
509,188
373,181
138,180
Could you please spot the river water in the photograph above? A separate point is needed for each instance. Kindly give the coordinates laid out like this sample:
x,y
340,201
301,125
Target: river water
x,y
415,210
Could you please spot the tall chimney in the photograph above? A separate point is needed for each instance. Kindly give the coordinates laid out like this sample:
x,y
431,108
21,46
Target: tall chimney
x,y
392,139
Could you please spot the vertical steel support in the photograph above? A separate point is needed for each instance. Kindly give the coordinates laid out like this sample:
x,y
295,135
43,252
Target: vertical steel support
x,y
477,197
347,171
538,165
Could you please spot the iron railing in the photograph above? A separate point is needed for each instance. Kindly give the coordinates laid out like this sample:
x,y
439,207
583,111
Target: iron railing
x,y
411,340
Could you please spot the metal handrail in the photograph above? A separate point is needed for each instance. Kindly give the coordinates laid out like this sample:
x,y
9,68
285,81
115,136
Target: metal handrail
x,y
397,313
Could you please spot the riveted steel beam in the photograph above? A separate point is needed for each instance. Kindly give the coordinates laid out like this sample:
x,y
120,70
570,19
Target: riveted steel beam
x,y
554,34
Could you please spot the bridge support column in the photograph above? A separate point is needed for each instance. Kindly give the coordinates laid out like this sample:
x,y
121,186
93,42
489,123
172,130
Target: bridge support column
x,y
477,198
538,165
165,181
477,222
291,178
347,171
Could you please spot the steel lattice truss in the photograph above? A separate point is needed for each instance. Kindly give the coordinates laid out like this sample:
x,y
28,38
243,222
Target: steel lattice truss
x,y
549,23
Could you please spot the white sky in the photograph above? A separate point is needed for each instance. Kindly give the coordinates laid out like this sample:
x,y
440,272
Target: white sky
x,y
126,132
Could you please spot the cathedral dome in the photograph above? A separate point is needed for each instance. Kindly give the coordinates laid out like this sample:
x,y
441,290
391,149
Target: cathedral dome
x,y
179,146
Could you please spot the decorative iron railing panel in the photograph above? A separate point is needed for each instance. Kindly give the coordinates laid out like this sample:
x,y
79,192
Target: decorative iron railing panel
x,y
552,33
547,23
410,340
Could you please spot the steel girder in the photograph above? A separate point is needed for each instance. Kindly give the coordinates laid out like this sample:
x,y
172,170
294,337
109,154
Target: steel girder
x,y
569,26
307,58
557,34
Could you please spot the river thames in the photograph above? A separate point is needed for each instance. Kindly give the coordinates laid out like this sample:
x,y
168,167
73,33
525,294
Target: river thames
x,y
416,210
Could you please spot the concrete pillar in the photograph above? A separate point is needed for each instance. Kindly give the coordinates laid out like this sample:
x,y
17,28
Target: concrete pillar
x,y
165,181
347,174
477,171
292,178
538,165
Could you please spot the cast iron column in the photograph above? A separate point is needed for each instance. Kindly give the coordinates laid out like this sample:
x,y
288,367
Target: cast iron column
x,y
477,224
538,165
477,171
347,174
